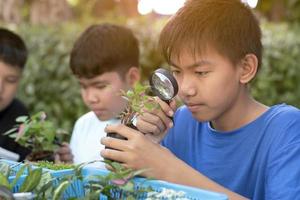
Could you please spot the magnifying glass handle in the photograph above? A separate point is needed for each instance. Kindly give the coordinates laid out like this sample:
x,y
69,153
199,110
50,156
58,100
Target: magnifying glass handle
x,y
168,102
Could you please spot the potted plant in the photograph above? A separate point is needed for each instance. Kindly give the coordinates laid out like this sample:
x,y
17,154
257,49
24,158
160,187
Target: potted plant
x,y
37,134
137,99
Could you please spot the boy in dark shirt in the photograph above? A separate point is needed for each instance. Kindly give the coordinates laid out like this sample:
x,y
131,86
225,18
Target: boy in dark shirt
x,y
13,56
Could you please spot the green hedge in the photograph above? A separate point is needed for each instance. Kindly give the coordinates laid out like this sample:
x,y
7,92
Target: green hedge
x,y
279,78
49,86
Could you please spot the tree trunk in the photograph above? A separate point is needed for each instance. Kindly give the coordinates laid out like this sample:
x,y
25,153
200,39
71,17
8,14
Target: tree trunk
x,y
10,11
49,11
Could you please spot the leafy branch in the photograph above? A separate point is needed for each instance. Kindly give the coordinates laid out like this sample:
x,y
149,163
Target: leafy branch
x,y
35,132
137,99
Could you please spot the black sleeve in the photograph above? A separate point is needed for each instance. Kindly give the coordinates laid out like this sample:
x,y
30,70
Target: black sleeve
x,y
7,121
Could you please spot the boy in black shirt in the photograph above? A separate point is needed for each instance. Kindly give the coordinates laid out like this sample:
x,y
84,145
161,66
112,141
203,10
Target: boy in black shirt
x,y
13,56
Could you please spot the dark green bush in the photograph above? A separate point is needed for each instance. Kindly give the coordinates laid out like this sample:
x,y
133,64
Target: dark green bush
x,y
49,86
279,78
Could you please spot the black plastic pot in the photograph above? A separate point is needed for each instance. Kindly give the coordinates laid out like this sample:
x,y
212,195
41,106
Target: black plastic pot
x,y
118,136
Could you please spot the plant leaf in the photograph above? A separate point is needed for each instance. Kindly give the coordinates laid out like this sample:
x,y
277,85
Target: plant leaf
x,y
18,175
60,190
4,181
32,180
21,119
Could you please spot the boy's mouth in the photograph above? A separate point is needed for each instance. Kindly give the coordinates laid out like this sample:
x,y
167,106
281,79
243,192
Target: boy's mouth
x,y
194,107
98,112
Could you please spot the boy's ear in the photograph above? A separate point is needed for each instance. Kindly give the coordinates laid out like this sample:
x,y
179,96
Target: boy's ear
x,y
133,75
248,68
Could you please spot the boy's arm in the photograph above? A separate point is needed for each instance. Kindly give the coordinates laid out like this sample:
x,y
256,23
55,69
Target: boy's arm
x,y
138,152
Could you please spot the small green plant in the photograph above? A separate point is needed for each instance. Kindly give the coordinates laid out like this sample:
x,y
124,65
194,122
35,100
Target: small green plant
x,y
9,177
53,166
36,133
41,184
137,99
32,181
117,184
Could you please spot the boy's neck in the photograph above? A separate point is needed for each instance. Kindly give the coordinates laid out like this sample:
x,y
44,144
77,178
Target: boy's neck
x,y
241,114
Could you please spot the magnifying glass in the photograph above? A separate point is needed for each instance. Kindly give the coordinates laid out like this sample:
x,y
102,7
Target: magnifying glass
x,y
163,84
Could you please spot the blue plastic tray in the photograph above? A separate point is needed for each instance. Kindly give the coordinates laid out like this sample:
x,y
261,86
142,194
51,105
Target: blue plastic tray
x,y
78,187
190,192
57,175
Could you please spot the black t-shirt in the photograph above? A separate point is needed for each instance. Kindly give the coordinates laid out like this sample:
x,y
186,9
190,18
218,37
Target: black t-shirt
x,y
7,121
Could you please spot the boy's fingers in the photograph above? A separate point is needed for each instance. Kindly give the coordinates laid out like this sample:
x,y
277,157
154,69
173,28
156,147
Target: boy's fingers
x,y
65,144
122,130
57,158
114,143
67,158
148,128
113,154
173,106
63,150
150,123
166,108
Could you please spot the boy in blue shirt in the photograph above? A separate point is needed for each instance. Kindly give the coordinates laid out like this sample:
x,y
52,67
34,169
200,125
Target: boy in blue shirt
x,y
222,139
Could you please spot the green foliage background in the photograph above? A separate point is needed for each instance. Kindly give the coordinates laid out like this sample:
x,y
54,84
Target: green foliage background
x,y
49,86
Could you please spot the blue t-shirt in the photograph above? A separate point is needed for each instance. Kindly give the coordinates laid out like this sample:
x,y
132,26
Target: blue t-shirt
x,y
260,160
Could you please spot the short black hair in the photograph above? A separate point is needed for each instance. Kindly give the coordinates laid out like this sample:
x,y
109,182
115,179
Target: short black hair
x,y
104,48
13,50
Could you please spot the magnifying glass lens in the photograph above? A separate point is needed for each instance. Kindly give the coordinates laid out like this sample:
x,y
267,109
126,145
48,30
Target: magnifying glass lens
x,y
163,84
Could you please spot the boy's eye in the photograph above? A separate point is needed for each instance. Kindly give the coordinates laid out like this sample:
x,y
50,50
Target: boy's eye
x,y
12,80
202,73
175,72
100,86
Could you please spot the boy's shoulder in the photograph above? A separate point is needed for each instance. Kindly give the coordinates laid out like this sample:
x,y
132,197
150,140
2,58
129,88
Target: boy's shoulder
x,y
284,113
282,122
16,108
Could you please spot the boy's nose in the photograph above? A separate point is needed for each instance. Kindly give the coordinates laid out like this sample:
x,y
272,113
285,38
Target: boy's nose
x,y
187,87
91,97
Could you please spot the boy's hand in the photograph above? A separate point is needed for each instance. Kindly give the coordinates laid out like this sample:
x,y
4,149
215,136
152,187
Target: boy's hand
x,y
155,123
138,152
64,154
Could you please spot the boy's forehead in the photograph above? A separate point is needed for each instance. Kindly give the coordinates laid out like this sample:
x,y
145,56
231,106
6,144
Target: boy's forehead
x,y
104,77
186,57
7,69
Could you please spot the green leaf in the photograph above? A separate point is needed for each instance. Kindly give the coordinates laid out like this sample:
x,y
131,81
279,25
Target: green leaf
x,y
13,130
129,186
4,169
32,180
60,190
18,175
4,181
21,119
45,186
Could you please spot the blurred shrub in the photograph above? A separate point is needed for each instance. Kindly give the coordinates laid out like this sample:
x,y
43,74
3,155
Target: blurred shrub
x,y
279,78
48,84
